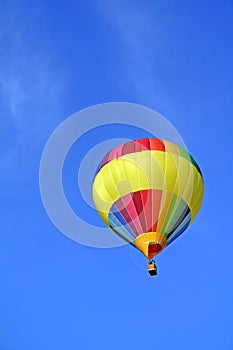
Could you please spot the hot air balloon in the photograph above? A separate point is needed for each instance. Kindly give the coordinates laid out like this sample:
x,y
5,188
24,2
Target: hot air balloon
x,y
148,192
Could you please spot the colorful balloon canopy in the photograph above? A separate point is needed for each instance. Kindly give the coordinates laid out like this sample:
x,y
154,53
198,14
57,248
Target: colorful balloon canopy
x,y
148,192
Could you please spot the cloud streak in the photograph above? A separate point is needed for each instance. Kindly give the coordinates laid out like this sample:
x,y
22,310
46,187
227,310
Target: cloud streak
x,y
30,87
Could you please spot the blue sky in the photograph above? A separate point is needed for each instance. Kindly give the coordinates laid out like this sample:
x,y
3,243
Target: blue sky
x,y
173,56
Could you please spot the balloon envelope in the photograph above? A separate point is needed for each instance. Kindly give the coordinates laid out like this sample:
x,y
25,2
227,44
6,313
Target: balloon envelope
x,y
148,192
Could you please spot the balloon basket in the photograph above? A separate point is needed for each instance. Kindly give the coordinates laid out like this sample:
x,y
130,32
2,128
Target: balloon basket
x,y
152,269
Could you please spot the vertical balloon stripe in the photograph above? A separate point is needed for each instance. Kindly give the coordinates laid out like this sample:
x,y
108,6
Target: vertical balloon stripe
x,y
136,220
142,216
104,161
179,219
115,153
159,202
130,207
156,144
176,215
198,195
170,172
194,186
147,207
137,200
121,219
175,211
169,213
142,145
172,214
164,207
195,164
183,153
183,226
123,212
172,218
132,226
128,147
171,147
156,206
120,229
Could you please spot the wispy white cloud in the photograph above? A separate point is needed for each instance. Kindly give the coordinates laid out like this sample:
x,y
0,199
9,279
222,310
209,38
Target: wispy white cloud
x,y
30,87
